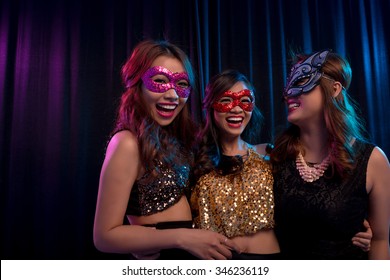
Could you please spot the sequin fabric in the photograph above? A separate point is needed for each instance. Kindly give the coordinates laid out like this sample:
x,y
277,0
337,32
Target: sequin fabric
x,y
175,80
236,204
163,192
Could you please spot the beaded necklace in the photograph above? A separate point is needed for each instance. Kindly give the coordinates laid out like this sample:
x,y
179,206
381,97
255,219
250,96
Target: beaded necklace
x,y
311,173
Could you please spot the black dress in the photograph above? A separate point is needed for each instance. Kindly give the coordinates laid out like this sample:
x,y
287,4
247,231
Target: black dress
x,y
318,220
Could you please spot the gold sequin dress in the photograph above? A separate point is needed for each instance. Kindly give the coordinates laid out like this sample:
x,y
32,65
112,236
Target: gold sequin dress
x,y
236,204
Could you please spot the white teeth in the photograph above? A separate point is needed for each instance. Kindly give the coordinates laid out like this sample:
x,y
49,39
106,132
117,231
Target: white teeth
x,y
293,105
235,119
168,107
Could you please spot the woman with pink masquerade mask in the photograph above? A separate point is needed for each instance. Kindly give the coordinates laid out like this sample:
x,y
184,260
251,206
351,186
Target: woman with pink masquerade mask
x,y
328,178
146,169
233,194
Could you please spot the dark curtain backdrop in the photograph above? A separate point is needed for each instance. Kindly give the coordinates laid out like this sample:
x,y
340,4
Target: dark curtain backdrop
x,y
60,84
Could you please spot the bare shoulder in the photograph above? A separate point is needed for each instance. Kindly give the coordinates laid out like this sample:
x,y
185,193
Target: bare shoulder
x,y
378,159
379,154
261,148
378,164
122,160
123,141
378,169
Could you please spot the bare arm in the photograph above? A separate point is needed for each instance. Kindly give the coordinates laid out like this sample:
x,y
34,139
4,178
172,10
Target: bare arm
x,y
378,184
119,172
120,169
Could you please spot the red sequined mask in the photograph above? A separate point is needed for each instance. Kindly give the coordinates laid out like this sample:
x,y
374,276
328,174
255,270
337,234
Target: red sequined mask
x,y
229,100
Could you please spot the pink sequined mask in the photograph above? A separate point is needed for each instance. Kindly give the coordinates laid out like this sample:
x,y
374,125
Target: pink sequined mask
x,y
224,106
178,81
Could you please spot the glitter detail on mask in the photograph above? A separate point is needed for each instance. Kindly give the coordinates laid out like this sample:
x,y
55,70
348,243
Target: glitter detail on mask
x,y
177,81
305,75
223,107
236,204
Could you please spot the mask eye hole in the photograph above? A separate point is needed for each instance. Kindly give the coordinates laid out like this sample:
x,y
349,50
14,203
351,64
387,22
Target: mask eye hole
x,y
225,100
246,100
301,81
160,79
183,84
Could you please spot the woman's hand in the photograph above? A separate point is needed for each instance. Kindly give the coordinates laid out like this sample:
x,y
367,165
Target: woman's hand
x,y
363,239
207,245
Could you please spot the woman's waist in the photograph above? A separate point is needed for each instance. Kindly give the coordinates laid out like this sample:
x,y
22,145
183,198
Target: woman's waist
x,y
261,242
233,225
171,224
180,211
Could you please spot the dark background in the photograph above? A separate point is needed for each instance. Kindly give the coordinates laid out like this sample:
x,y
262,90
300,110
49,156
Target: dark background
x,y
60,84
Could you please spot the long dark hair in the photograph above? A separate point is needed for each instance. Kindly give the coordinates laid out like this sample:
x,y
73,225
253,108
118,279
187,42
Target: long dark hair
x,y
167,144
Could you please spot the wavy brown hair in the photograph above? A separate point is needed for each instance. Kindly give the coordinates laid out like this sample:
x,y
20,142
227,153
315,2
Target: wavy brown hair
x,y
209,148
170,144
343,123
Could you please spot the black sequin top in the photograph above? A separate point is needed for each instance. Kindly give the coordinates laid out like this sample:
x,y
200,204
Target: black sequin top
x,y
158,195
318,220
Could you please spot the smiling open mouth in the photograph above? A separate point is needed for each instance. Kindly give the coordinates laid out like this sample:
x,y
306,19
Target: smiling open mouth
x,y
293,105
235,121
166,110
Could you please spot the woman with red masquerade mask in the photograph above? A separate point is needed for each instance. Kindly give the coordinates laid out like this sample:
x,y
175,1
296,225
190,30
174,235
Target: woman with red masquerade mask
x,y
234,190
328,177
145,174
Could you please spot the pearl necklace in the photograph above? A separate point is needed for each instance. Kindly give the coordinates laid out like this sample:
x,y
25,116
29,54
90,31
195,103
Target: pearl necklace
x,y
308,173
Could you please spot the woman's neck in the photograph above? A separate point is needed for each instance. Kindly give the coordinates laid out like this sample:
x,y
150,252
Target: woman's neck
x,y
234,146
314,142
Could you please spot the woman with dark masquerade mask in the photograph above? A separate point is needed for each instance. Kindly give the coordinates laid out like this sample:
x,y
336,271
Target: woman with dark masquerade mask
x,y
328,177
146,169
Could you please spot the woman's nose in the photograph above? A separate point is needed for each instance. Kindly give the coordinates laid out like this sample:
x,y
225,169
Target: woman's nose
x,y
236,109
171,94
